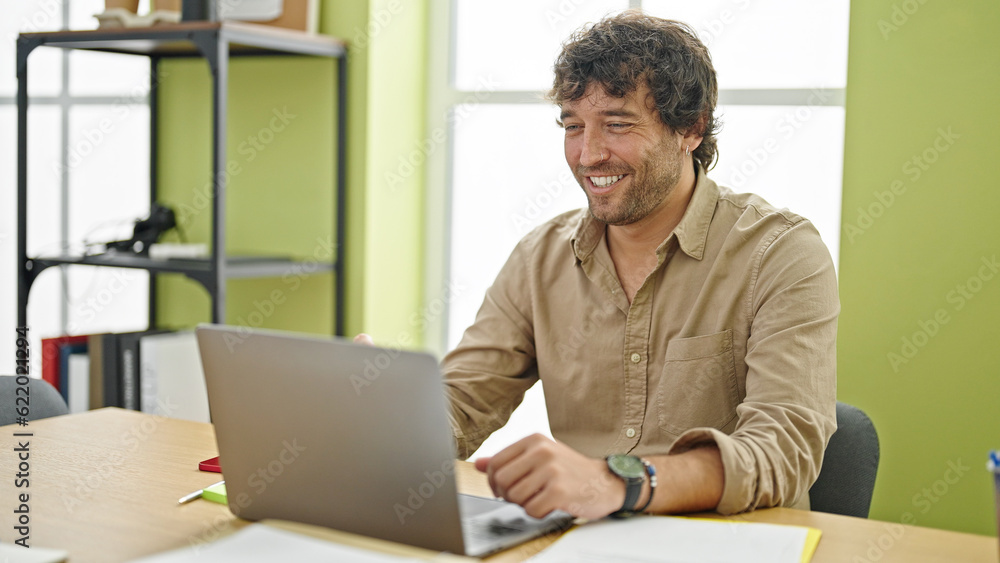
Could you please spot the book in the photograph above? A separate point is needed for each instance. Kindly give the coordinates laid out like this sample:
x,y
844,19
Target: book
x,y
65,351
129,358
128,370
109,371
172,380
50,357
210,464
95,349
78,369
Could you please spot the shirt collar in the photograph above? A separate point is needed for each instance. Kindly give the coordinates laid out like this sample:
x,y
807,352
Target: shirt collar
x,y
691,232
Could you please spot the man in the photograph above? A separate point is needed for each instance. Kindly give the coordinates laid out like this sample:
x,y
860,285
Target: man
x,y
672,320
687,328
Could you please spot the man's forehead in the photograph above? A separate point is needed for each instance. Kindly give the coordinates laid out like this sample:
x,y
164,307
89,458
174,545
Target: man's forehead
x,y
639,101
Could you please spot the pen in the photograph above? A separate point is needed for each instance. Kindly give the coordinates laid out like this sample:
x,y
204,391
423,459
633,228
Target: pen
x,y
196,494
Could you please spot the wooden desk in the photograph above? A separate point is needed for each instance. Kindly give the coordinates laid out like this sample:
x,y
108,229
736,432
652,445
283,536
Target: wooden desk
x,y
104,486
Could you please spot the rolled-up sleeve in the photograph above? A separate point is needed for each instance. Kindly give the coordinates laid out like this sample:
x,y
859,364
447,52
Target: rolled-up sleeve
x,y
487,374
774,454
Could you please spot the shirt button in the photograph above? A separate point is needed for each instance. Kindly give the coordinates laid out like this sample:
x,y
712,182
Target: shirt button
x,y
636,357
630,432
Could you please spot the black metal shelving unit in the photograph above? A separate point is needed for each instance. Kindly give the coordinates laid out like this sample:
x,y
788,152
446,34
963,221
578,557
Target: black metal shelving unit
x,y
216,42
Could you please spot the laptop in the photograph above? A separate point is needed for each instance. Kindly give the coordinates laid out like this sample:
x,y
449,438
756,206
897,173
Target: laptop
x,y
328,432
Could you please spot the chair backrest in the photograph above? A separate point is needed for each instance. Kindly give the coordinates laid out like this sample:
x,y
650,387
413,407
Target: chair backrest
x,y
847,478
43,400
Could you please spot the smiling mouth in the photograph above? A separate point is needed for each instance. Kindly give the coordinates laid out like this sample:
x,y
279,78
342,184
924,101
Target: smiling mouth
x,y
605,181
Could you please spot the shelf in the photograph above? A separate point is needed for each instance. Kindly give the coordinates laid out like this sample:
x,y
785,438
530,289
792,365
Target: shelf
x,y
235,266
216,43
200,269
179,40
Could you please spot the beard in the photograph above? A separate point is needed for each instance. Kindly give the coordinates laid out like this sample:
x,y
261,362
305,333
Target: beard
x,y
647,186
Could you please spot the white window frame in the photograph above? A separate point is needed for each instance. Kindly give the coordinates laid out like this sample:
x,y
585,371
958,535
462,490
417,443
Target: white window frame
x,y
65,101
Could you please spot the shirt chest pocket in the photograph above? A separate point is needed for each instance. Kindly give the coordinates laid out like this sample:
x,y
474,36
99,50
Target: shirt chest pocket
x,y
697,387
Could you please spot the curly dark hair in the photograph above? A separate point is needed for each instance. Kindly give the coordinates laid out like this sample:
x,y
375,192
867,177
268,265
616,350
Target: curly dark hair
x,y
619,51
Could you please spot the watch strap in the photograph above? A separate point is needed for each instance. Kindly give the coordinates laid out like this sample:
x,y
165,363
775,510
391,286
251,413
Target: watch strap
x,y
633,489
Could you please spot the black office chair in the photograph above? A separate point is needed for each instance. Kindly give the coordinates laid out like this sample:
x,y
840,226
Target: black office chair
x,y
847,478
44,400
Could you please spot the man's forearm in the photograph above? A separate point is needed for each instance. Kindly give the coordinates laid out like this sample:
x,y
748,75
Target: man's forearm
x,y
691,481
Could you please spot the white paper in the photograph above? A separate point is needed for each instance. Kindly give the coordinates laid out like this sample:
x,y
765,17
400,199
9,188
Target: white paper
x,y
677,540
258,542
10,553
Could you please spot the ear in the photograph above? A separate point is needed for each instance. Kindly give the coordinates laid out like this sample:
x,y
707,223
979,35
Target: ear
x,y
693,137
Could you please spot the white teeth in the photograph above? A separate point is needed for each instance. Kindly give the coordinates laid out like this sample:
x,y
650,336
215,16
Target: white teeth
x,y
604,181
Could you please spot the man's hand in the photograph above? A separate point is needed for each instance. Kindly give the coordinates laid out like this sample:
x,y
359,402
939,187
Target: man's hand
x,y
364,339
542,475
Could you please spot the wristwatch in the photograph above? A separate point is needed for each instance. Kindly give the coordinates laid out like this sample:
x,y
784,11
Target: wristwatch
x,y
630,469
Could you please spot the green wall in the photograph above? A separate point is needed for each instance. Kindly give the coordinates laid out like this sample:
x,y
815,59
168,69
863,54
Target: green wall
x,y
279,196
392,291
919,284
280,199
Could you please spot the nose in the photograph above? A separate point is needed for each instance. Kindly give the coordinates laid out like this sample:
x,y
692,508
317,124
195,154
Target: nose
x,y
594,148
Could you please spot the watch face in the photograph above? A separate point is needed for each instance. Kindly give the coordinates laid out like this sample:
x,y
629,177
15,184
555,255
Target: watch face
x,y
626,466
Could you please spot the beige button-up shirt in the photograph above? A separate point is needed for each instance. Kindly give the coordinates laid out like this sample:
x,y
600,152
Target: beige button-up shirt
x,y
730,340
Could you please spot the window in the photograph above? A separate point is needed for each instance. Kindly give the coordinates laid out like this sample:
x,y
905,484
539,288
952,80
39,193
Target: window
x,y
782,68
88,173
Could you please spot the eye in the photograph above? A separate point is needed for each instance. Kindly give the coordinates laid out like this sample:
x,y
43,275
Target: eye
x,y
618,125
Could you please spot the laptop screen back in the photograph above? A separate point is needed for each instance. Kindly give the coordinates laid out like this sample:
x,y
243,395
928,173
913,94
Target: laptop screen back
x,y
327,432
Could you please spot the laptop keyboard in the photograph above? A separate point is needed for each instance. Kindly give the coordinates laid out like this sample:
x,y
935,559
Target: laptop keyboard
x,y
487,527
